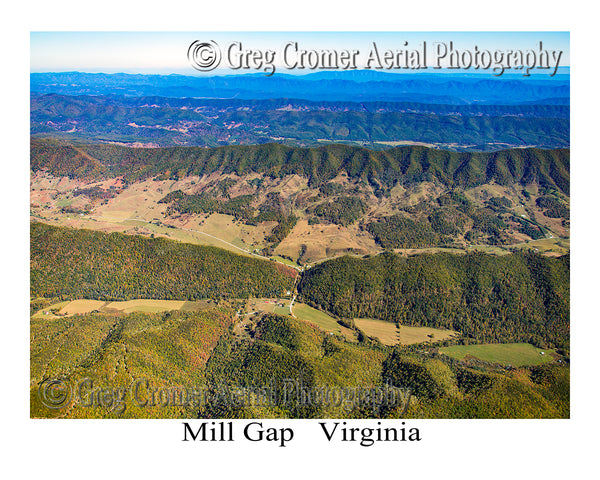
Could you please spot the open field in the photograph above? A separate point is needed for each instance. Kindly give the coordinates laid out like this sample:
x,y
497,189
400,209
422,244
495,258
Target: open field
x,y
410,335
226,228
143,305
322,320
415,251
301,312
516,354
134,226
82,306
548,246
490,249
325,240
269,305
135,209
399,143
51,311
388,334
285,261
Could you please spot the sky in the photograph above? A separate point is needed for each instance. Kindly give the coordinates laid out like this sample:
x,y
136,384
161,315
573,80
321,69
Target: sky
x,y
166,52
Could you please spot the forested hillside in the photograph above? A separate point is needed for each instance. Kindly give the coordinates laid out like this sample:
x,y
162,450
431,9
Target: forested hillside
x,y
156,349
519,297
288,356
270,375
405,165
95,265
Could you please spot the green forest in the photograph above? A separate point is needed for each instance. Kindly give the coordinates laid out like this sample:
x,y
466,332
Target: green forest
x,y
95,265
405,165
287,357
518,297
441,222
270,374
521,297
165,349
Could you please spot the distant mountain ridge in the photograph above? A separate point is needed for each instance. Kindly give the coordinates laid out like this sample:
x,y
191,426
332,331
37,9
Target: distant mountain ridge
x,y
58,104
444,88
210,122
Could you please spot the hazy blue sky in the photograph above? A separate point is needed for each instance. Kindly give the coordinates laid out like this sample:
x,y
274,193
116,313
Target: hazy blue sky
x,y
166,52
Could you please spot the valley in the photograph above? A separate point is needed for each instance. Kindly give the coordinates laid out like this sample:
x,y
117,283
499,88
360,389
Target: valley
x,y
290,218
231,236
117,310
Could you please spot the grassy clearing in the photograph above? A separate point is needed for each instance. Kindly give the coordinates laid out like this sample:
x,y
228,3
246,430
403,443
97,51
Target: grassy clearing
x,y
322,320
194,237
197,306
490,249
556,246
145,305
399,143
48,311
414,251
516,354
119,224
410,335
278,306
324,240
301,312
388,334
385,332
282,310
285,260
82,306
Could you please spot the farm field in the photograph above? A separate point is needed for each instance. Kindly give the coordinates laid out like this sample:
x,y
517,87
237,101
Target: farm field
x,y
51,311
548,246
388,334
269,305
516,354
322,320
83,306
325,241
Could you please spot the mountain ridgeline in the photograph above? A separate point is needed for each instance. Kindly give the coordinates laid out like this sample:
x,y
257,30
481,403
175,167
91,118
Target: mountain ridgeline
x,y
382,169
349,86
169,122
117,107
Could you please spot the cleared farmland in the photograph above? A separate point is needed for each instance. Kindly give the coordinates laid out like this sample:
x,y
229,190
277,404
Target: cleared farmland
x,y
83,306
322,320
388,334
515,354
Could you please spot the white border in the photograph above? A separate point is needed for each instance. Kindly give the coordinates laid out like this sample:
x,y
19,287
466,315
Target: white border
x,y
153,449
